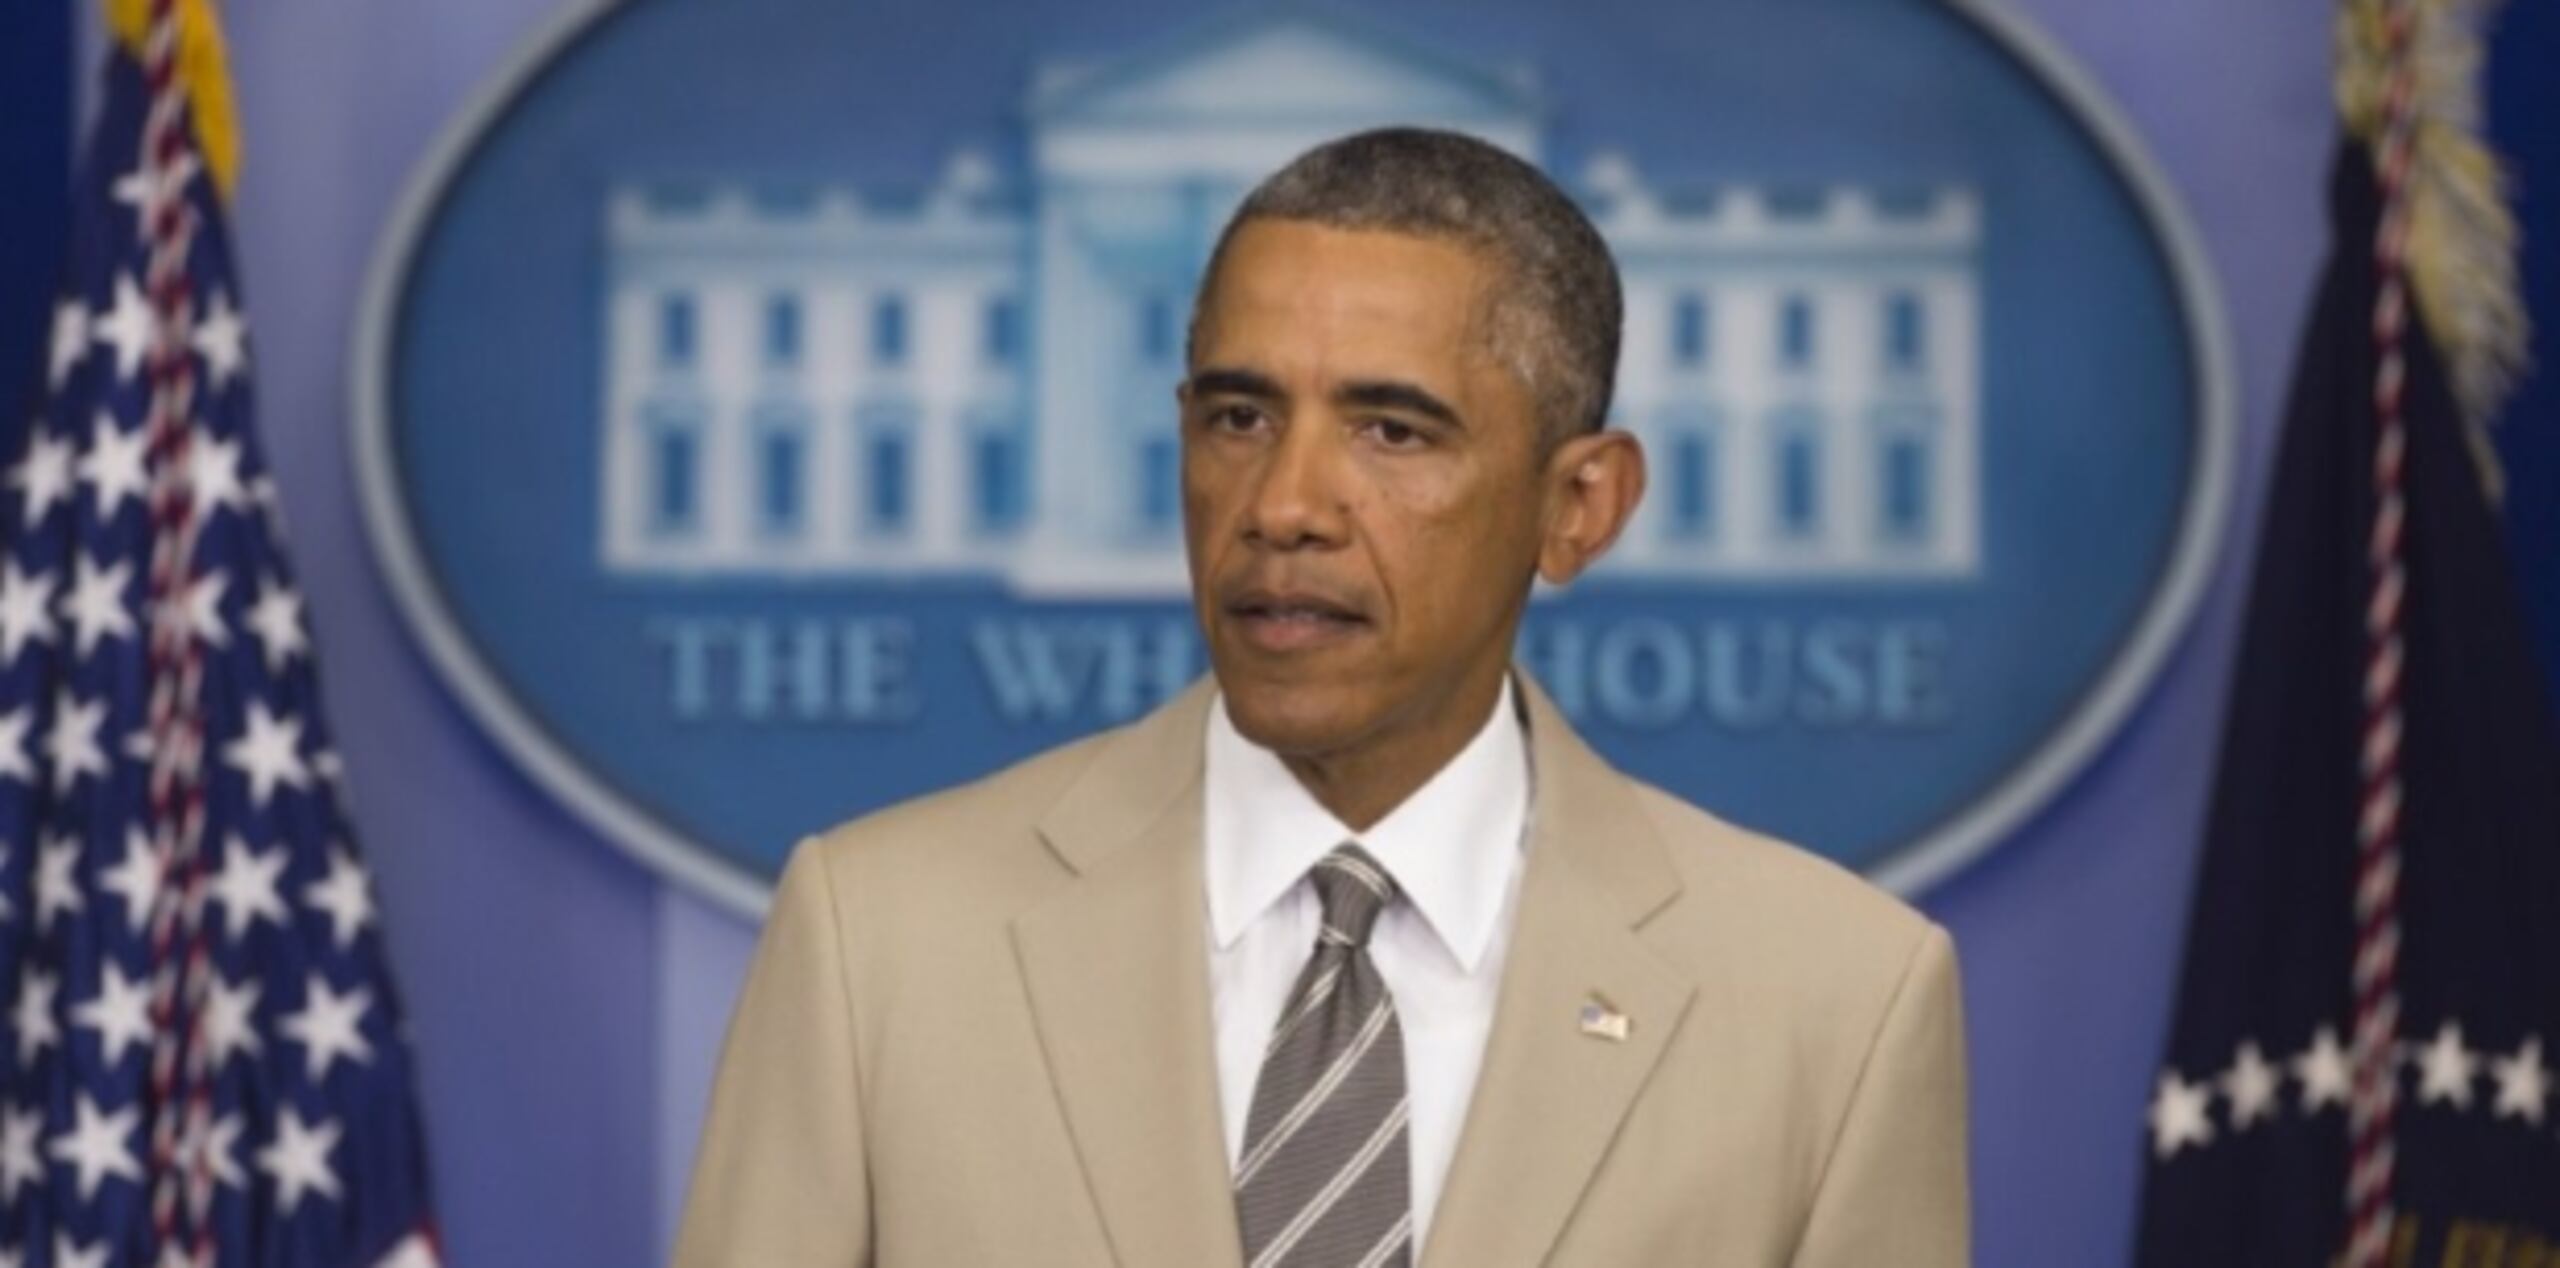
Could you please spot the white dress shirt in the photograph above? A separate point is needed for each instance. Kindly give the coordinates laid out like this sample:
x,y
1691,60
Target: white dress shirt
x,y
1454,848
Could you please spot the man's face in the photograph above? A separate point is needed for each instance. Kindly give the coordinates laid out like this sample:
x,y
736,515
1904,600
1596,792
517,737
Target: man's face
x,y
1360,485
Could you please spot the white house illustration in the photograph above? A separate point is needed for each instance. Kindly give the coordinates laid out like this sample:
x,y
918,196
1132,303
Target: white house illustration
x,y
977,379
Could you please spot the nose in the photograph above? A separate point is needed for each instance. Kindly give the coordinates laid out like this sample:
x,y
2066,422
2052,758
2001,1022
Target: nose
x,y
1296,502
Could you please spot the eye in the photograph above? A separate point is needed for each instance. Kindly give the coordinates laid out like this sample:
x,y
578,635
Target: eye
x,y
1395,433
1239,418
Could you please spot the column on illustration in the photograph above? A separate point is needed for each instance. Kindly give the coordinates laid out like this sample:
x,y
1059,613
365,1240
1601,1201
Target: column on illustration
x,y
1801,367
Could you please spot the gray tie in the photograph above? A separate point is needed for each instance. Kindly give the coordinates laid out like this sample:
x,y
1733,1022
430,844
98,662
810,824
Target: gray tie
x,y
1322,1182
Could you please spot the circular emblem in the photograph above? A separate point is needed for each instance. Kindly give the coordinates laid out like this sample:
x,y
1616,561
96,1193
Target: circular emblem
x,y
766,409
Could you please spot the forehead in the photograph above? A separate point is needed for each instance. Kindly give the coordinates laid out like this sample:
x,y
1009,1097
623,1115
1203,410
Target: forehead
x,y
1344,299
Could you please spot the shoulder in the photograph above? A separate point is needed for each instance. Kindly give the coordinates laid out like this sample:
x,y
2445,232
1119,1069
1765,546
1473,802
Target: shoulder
x,y
943,844
1759,913
1732,862
1774,917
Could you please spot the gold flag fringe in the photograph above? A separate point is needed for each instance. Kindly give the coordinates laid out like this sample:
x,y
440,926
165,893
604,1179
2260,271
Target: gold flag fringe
x,y
200,68
2462,231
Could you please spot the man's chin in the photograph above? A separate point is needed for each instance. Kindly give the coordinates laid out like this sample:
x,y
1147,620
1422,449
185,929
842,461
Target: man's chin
x,y
1293,720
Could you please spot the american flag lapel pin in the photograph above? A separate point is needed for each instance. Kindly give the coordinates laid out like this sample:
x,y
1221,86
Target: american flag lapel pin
x,y
1602,1020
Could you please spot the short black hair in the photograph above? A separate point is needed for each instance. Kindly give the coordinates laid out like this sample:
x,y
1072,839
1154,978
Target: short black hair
x,y
1559,307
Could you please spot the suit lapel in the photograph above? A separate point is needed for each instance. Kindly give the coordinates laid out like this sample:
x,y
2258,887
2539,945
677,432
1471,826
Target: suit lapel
x,y
1551,1097
1116,968
1115,964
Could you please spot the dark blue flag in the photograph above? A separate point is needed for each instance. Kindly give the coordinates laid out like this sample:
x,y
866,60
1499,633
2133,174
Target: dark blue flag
x,y
201,1054
2437,741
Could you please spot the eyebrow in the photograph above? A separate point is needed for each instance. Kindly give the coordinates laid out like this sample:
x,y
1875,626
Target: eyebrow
x,y
1224,381
1363,394
1390,394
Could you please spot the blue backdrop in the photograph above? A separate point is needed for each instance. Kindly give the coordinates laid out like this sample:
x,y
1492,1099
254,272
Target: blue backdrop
x,y
566,1003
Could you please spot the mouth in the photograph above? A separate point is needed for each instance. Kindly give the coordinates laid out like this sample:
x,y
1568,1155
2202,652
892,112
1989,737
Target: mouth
x,y
1276,621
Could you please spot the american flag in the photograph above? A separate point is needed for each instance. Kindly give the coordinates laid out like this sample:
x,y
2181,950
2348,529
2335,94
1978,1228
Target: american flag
x,y
2360,1071
202,1059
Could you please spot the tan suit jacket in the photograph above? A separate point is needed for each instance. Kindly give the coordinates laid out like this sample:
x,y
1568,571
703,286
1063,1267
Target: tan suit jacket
x,y
977,1033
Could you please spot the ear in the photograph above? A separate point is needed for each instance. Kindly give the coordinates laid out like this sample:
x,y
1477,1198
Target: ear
x,y
1593,483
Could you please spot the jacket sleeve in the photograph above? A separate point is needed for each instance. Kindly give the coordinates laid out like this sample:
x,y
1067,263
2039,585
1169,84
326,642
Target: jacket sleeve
x,y
780,1177
1895,1188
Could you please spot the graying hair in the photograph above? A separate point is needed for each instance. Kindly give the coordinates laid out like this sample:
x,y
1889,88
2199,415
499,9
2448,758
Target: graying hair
x,y
1557,305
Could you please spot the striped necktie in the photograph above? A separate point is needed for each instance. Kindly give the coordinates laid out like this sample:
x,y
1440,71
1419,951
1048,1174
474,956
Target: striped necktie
x,y
1323,1179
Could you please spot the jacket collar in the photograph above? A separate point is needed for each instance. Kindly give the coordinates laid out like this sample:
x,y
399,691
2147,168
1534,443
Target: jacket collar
x,y
1115,967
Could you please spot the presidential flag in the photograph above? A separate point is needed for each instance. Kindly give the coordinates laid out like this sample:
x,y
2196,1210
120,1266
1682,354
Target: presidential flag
x,y
201,1054
2361,1066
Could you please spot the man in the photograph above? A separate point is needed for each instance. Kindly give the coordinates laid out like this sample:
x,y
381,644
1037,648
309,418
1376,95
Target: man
x,y
1354,954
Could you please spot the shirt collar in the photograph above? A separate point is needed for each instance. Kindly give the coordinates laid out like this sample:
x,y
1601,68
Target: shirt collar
x,y
1452,846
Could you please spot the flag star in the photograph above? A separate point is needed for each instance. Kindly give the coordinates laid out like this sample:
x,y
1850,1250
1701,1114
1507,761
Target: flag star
x,y
2181,1115
95,1146
33,1018
117,463
268,753
70,338
221,339
137,189
26,609
73,742
20,1164
128,326
120,1012
276,619
414,1251
45,476
136,878
2324,1072
2446,1068
213,474
13,745
57,880
2524,1083
246,887
134,188
329,1026
214,1147
204,608
231,1018
70,1254
95,602
2251,1086
298,1158
344,896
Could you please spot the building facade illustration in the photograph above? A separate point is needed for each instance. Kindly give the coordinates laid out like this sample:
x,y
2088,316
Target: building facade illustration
x,y
976,379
